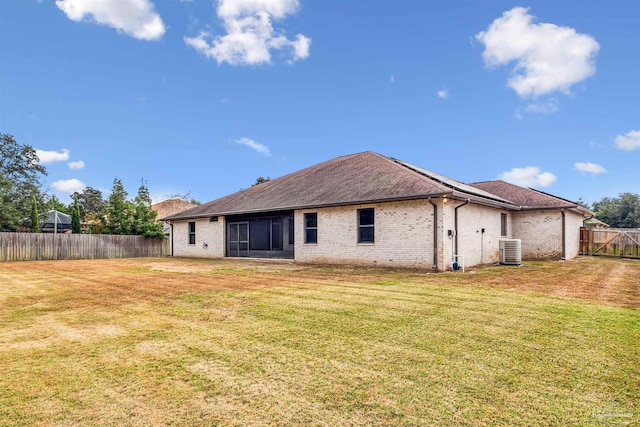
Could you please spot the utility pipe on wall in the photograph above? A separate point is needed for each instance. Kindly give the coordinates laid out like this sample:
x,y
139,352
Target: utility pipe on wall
x,y
435,234
455,223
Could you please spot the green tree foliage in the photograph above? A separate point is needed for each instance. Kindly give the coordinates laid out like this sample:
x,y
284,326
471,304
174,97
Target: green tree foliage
x,y
75,218
118,218
582,203
35,223
144,217
619,212
124,216
20,175
90,201
260,180
52,203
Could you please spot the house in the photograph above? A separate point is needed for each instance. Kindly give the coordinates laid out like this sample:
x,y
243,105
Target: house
x,y
548,226
369,209
170,207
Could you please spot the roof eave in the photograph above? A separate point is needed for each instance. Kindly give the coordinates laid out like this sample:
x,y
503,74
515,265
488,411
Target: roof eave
x,y
311,206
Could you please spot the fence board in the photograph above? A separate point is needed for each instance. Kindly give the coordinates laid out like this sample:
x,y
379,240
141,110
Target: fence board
x,y
49,246
620,242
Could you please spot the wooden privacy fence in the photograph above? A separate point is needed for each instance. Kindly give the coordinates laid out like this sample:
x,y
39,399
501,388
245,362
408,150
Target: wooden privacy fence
x,y
620,242
48,246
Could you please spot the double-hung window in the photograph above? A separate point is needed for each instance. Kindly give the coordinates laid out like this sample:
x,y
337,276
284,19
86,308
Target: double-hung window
x,y
366,222
311,227
192,233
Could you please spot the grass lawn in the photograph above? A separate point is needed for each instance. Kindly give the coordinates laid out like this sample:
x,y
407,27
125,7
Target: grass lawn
x,y
198,342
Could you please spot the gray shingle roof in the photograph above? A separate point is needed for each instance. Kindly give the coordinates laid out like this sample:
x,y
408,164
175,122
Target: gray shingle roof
x,y
353,179
526,198
367,178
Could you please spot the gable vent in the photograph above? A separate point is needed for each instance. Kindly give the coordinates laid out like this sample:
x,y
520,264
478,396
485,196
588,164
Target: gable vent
x,y
510,251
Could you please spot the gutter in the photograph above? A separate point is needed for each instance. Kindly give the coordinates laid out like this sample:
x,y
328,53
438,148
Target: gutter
x,y
455,223
435,234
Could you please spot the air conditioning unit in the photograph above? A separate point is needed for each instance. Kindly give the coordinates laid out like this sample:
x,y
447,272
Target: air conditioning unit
x,y
510,251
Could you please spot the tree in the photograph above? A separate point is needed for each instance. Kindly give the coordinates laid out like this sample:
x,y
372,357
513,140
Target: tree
x,y
619,212
260,180
20,174
90,201
54,204
35,223
144,217
581,202
118,218
75,218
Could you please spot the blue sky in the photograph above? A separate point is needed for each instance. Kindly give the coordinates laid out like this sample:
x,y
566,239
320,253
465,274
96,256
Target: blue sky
x,y
204,96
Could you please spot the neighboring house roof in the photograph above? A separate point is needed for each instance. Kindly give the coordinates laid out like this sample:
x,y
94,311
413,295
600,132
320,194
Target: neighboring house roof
x,y
354,179
171,207
528,198
596,223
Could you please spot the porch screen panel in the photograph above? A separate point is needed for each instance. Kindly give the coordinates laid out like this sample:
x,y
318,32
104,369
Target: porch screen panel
x,y
260,232
276,234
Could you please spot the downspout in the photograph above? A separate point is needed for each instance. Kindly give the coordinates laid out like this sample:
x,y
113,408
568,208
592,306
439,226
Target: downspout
x,y
171,224
455,224
564,253
586,231
435,234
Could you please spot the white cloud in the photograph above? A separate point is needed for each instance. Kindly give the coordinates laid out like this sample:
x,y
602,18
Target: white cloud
x,y
629,141
548,57
443,94
542,108
589,168
136,18
250,37
69,185
52,156
260,148
529,176
76,165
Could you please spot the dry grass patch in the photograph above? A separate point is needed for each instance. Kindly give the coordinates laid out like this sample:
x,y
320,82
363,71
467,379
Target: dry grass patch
x,y
201,342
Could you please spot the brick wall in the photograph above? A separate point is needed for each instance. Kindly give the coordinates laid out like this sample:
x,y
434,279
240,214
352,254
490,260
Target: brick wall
x,y
476,247
573,222
403,236
209,239
540,232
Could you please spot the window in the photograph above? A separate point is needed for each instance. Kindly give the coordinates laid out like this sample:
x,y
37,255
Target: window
x,y
365,225
311,227
503,224
192,233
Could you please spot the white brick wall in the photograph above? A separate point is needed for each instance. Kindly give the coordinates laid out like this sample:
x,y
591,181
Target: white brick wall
x,y
541,233
475,246
403,236
573,222
209,239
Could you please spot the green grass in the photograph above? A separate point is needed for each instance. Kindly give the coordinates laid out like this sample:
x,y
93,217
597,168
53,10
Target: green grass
x,y
310,347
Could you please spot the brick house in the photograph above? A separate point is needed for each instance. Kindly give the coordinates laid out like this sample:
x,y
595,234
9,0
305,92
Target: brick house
x,y
368,209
